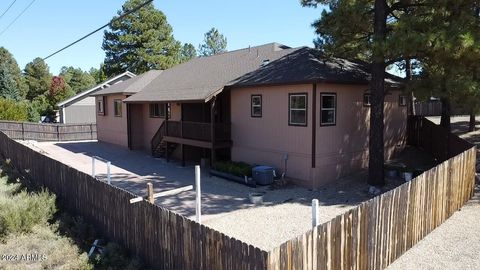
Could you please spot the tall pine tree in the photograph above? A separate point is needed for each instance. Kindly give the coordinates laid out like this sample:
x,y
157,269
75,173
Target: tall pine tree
x,y
380,33
38,78
8,86
140,41
11,64
214,42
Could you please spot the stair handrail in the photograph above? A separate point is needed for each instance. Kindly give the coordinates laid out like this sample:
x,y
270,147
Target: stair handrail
x,y
158,137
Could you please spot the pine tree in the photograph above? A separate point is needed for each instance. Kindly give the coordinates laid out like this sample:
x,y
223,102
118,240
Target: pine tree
x,y
439,36
187,52
8,86
380,33
139,42
77,79
213,43
38,78
7,58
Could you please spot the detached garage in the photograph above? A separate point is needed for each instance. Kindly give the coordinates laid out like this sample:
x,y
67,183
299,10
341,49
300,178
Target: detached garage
x,y
81,108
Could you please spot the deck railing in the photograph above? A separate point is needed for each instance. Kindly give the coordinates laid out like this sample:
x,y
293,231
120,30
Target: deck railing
x,y
198,130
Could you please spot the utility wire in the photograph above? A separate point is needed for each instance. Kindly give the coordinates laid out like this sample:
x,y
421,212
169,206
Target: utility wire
x,y
18,16
8,8
100,28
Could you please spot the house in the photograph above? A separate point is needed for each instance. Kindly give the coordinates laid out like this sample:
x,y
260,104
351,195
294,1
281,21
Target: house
x,y
291,108
81,107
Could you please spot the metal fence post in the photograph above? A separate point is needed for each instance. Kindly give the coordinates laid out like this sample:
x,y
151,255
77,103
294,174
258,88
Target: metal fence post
x,y
198,192
93,166
108,171
314,213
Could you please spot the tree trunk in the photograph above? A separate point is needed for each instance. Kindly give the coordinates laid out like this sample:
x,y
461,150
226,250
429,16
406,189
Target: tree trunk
x,y
376,142
445,118
472,124
408,78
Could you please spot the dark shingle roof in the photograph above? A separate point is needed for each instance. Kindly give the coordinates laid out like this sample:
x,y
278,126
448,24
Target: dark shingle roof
x,y
200,78
130,86
270,64
306,65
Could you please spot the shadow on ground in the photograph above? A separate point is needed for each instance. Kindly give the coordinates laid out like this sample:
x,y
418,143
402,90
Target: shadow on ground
x,y
221,196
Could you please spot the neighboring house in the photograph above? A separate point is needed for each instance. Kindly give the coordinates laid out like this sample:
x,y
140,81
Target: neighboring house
x,y
81,107
290,108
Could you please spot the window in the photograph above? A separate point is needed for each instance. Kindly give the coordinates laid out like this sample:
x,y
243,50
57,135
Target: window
x,y
402,100
297,109
366,100
328,109
100,106
157,110
117,107
256,106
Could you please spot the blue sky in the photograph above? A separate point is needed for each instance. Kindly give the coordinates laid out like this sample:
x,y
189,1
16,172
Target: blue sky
x,y
51,24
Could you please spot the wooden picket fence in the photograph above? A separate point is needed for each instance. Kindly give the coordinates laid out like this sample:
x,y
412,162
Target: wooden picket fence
x,y
49,132
164,239
369,236
374,234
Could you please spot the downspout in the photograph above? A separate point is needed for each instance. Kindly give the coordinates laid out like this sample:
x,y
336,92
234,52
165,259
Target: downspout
x,y
314,132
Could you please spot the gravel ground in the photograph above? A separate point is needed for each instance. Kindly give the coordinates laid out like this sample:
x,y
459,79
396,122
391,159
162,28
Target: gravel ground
x,y
285,214
453,245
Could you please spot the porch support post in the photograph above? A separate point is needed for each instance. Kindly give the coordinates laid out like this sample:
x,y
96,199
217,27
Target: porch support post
x,y
182,148
166,132
212,131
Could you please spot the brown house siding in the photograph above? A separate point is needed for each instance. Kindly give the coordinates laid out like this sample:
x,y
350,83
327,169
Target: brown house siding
x,y
112,129
339,150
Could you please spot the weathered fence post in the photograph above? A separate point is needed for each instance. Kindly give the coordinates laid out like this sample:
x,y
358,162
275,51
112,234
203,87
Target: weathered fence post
x,y
23,131
108,171
93,167
150,193
198,192
315,213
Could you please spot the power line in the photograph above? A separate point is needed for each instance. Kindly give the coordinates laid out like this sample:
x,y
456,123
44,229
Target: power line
x,y
8,8
16,18
100,28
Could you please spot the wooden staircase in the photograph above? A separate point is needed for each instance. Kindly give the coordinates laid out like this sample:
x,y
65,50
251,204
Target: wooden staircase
x,y
159,146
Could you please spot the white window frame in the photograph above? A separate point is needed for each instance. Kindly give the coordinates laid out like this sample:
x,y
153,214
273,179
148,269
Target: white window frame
x,y
252,106
290,109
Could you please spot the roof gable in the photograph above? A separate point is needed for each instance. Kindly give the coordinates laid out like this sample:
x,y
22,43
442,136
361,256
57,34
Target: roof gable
x,y
121,77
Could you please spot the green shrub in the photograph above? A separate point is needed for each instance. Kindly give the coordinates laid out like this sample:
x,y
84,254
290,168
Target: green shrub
x,y
12,110
77,229
236,168
59,252
19,213
115,257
